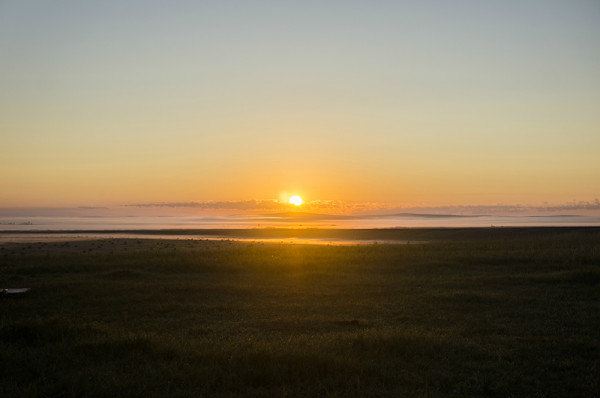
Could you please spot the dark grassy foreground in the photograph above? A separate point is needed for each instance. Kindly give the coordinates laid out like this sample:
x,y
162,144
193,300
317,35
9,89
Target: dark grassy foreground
x,y
482,315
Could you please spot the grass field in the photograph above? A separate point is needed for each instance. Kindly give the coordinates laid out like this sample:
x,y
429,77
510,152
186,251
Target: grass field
x,y
469,313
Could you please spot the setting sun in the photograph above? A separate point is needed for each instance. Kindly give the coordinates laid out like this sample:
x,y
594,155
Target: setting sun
x,y
295,200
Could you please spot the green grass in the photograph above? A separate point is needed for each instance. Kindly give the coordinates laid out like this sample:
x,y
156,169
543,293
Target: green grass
x,y
467,314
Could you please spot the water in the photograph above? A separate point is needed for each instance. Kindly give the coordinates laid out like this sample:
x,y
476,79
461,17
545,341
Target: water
x,y
53,223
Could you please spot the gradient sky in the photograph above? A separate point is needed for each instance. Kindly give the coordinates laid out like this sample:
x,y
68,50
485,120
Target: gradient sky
x,y
422,102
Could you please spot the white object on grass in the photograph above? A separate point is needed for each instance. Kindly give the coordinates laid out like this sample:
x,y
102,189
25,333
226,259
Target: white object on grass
x,y
14,291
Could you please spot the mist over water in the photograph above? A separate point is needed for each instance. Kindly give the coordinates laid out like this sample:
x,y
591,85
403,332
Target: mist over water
x,y
57,223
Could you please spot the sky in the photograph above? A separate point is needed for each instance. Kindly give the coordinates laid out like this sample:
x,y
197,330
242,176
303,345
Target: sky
x,y
416,103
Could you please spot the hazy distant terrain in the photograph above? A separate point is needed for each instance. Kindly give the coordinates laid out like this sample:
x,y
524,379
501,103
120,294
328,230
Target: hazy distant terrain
x,y
488,312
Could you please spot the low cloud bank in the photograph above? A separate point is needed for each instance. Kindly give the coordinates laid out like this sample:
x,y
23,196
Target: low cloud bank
x,y
341,207
216,205
267,205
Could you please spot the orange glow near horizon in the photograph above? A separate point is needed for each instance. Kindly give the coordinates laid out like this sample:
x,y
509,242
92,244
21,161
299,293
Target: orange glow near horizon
x,y
272,112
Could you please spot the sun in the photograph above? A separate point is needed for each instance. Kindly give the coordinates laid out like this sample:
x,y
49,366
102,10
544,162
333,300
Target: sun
x,y
295,200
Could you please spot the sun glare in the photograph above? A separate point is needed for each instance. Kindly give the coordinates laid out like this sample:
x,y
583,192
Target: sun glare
x,y
295,200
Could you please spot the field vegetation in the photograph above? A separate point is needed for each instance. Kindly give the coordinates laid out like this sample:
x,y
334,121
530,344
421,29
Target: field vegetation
x,y
471,313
